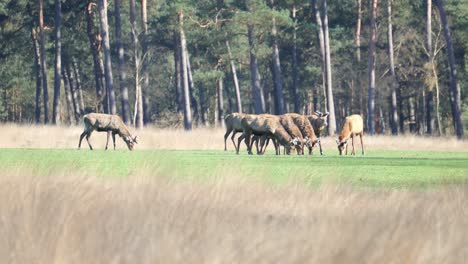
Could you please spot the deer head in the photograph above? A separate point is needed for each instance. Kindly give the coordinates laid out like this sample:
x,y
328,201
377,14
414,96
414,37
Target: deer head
x,y
131,141
341,145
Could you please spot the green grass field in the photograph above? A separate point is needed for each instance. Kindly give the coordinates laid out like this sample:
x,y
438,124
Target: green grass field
x,y
376,168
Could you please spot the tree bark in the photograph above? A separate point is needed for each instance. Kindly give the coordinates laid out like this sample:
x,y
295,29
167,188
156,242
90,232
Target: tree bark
x,y
277,74
430,93
79,87
321,41
37,70
74,94
43,63
371,70
58,63
102,5
234,78
393,96
138,112
68,97
193,100
358,56
121,64
203,108
178,74
258,95
455,97
295,84
185,82
95,46
219,91
145,59
331,104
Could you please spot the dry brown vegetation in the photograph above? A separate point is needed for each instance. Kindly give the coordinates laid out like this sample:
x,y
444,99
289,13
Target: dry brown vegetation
x,y
83,219
30,136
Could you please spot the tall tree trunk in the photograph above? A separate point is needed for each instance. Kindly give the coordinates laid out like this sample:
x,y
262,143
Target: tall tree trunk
x,y
68,98
277,74
102,5
193,100
234,78
358,56
95,46
371,70
185,82
203,108
37,69
412,115
74,94
144,66
121,64
321,41
295,84
393,96
430,93
138,112
178,74
331,104
258,95
79,87
219,91
43,63
58,63
455,97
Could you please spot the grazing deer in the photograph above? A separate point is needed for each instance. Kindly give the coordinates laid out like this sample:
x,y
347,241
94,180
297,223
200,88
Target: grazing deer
x,y
307,131
353,126
233,124
318,120
112,124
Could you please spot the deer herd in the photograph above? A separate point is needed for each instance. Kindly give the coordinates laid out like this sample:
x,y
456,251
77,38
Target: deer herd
x,y
292,131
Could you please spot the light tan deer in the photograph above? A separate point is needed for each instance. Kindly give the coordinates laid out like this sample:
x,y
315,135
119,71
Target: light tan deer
x,y
112,124
233,124
353,126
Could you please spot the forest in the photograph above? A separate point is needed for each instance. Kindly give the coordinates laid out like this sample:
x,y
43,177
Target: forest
x,y
400,64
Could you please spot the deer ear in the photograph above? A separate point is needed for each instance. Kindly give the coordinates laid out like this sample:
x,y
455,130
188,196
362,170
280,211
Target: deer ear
x,y
135,139
337,142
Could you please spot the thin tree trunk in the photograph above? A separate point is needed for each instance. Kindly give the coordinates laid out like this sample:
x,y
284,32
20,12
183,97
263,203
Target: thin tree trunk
x,y
58,63
331,104
277,74
193,100
393,96
145,59
43,63
371,70
37,69
219,91
412,115
79,87
430,94
203,108
138,112
358,56
95,45
295,84
102,5
68,98
455,97
234,78
178,74
187,110
258,95
121,64
74,94
321,40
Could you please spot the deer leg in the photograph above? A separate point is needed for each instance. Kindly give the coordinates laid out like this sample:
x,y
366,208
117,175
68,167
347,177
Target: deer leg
x,y
239,140
320,146
108,137
265,143
226,135
247,142
81,138
346,153
88,135
362,144
352,142
234,142
113,139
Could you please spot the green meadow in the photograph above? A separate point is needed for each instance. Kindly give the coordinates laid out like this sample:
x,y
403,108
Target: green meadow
x,y
398,169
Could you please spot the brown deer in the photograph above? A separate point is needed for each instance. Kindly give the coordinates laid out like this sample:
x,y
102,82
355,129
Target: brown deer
x,y
112,124
318,120
233,124
353,126
307,131
266,125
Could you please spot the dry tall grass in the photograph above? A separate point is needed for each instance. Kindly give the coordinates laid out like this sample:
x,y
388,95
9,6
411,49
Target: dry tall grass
x,y
76,219
31,136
